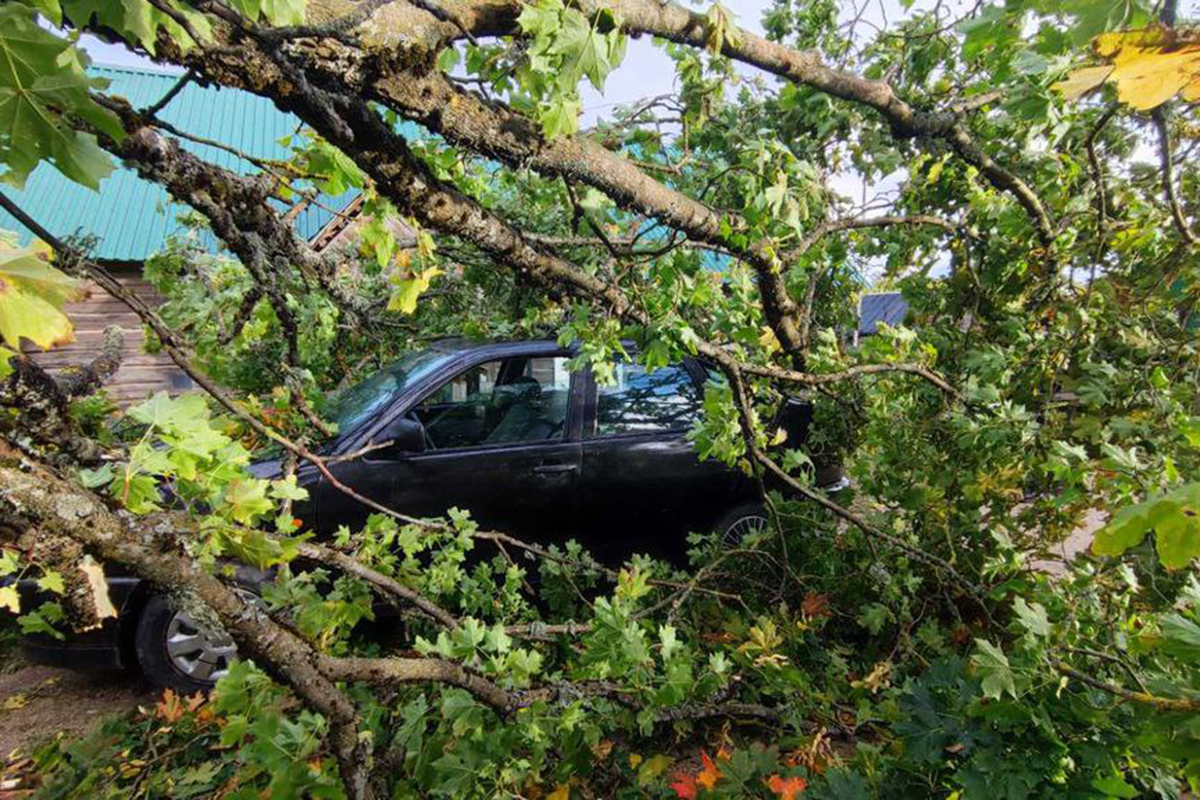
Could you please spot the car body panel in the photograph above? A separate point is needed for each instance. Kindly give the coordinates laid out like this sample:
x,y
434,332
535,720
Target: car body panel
x,y
620,493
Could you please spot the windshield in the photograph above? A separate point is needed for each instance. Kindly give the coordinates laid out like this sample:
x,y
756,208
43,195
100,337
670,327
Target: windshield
x,y
352,406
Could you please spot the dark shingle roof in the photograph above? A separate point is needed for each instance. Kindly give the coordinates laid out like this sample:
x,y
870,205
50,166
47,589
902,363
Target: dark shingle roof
x,y
886,307
132,217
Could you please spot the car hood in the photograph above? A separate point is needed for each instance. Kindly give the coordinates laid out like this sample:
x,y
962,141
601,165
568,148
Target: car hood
x,y
267,469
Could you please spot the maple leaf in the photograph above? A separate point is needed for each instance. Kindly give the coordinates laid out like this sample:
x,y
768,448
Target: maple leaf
x,y
787,788
32,296
684,785
169,709
1148,66
815,605
709,775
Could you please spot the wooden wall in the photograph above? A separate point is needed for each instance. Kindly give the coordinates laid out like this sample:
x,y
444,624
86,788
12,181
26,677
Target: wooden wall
x,y
140,374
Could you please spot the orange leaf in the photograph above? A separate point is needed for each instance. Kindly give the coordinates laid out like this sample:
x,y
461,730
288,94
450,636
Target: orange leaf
x,y
815,605
169,709
708,776
787,788
685,786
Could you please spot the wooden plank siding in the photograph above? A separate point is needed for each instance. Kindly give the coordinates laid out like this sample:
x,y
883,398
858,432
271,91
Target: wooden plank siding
x,y
141,374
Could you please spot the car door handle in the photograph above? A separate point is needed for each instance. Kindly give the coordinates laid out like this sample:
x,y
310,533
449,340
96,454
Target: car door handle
x,y
553,469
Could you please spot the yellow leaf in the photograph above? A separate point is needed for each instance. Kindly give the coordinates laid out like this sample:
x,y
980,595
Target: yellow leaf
x,y
1082,81
10,599
768,340
408,290
652,768
32,294
561,792
1148,66
779,438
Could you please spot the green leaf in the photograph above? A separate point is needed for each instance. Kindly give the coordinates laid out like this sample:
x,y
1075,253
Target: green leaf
x,y
276,12
286,489
560,117
6,357
140,22
43,620
1178,536
994,671
408,290
42,85
50,9
1181,637
584,51
52,582
254,547
721,28
1115,785
1032,617
246,499
1175,518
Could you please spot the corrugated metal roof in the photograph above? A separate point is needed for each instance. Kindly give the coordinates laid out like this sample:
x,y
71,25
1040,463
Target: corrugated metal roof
x,y
133,217
886,307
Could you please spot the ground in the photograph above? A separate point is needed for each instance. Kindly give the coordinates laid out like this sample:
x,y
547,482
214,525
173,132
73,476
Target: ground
x,y
38,702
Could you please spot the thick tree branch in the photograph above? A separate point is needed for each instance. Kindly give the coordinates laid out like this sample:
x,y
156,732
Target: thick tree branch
x,y
1167,159
58,507
83,379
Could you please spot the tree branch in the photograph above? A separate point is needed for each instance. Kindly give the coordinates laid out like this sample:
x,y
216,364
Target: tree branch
x,y
1168,181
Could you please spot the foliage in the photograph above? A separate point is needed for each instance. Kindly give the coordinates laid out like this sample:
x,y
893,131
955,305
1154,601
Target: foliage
x,y
925,638
1148,66
32,295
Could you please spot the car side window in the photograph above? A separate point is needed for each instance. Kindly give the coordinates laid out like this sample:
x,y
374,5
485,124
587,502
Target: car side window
x,y
506,401
645,402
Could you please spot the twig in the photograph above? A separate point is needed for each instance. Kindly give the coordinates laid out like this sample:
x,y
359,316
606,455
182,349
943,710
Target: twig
x,y
1161,703
184,80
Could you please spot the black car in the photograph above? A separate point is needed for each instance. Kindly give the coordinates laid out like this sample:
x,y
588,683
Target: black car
x,y
505,430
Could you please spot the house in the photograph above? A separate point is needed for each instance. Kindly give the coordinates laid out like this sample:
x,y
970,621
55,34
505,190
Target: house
x,y
886,307
131,218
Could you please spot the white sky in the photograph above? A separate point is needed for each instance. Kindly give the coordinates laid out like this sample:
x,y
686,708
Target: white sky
x,y
647,71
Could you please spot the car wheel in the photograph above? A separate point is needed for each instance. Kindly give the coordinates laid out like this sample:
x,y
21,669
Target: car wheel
x,y
176,652
739,523
757,574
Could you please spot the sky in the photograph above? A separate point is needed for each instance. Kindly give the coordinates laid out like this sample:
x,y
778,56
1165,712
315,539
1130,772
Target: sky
x,y
647,71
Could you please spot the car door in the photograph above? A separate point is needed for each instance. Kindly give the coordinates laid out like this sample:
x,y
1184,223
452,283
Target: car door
x,y
501,440
642,486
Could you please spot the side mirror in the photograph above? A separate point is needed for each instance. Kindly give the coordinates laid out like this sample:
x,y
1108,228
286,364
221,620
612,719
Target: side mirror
x,y
406,435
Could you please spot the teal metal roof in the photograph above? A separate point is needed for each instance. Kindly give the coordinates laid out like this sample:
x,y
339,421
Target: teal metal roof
x,y
133,217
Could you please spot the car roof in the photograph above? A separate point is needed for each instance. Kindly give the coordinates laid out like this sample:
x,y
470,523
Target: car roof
x,y
455,345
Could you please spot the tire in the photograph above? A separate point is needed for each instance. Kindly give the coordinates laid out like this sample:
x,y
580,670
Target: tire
x,y
174,652
739,521
757,574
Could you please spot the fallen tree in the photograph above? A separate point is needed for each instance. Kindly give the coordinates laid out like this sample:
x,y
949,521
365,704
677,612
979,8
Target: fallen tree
x,y
1049,370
